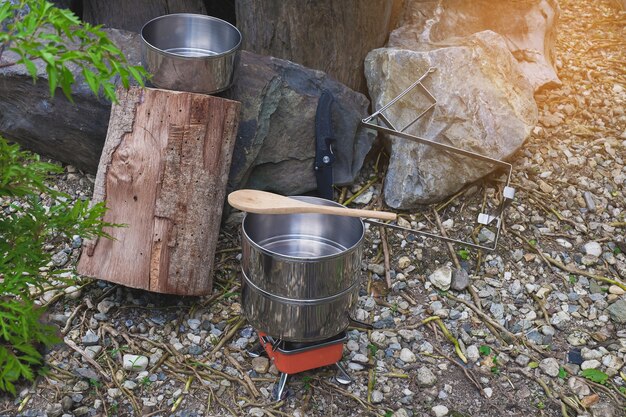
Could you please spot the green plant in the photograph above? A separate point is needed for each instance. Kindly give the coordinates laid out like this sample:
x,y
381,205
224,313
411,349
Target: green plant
x,y
572,279
562,373
32,214
484,350
463,254
36,30
595,375
373,349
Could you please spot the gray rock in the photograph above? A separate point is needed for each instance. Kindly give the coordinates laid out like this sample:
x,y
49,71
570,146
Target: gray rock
x,y
440,410
419,174
136,363
530,28
87,373
407,356
105,306
261,364
593,249
425,377
460,280
377,397
90,338
60,258
275,146
549,366
441,278
578,386
68,132
54,410
617,311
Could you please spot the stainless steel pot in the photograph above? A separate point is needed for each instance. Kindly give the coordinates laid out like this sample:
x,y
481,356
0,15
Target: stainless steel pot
x,y
190,52
301,272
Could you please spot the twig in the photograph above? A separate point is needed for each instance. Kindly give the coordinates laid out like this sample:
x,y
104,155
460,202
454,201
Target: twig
x,y
249,384
568,269
361,190
92,362
385,245
228,336
455,259
68,324
542,307
452,339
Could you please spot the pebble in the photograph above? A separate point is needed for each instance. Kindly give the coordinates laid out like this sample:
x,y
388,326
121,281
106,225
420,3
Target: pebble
x,y
617,311
425,377
60,258
404,262
441,278
460,280
105,306
407,356
377,397
90,338
590,364
578,386
440,410
136,363
359,357
593,249
549,366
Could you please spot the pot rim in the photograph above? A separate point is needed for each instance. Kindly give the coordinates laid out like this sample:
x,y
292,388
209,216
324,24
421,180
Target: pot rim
x,y
185,57
281,256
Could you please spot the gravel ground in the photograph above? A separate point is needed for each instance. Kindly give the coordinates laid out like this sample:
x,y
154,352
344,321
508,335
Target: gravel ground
x,y
541,321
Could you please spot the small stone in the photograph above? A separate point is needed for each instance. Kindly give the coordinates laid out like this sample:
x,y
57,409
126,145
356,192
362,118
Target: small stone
x,y
60,258
352,345
90,338
377,397
614,289
425,377
617,311
550,366
590,364
136,363
441,278
593,249
93,351
72,292
440,410
256,412
486,235
522,360
378,269
80,386
105,306
194,324
378,338
407,356
261,364
87,373
578,386
81,411
355,366
66,403
54,410
128,384
359,357
460,280
404,262
488,392
560,319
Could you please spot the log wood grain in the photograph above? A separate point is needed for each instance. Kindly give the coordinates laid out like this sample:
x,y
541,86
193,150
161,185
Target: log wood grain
x,y
163,173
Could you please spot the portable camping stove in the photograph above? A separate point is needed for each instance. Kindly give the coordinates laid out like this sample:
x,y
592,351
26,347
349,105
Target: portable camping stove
x,y
295,357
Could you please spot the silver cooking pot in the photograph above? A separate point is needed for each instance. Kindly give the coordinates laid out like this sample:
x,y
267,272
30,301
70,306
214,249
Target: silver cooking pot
x,y
190,52
301,272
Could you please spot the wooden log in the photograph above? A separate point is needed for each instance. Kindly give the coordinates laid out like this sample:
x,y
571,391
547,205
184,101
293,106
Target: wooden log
x,y
163,173
332,36
132,15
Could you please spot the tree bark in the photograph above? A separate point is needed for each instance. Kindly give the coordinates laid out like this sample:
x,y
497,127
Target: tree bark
x,y
163,174
132,15
332,36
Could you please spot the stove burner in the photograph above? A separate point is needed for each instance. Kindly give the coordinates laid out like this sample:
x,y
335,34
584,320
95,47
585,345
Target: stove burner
x,y
294,357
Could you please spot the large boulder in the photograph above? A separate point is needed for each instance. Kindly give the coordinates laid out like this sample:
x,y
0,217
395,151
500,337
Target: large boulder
x,y
55,127
484,105
275,147
528,27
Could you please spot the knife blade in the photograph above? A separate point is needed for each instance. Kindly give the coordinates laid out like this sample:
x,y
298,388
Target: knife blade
x,y
324,139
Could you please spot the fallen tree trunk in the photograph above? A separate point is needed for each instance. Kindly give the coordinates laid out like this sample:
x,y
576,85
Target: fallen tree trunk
x,y
163,174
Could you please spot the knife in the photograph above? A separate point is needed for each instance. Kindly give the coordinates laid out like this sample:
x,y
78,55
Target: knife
x,y
324,139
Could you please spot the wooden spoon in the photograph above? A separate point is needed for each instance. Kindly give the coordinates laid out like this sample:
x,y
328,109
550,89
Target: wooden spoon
x,y
263,202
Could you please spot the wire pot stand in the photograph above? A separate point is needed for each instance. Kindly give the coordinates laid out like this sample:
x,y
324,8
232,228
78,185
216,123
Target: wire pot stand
x,y
381,123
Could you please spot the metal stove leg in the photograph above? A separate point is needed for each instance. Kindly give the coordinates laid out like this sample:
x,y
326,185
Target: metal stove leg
x,y
279,389
342,375
256,351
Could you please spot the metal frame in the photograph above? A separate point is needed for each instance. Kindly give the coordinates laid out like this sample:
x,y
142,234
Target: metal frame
x,y
373,121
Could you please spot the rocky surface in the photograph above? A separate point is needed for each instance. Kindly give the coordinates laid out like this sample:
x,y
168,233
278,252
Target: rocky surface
x,y
275,147
484,105
529,28
539,322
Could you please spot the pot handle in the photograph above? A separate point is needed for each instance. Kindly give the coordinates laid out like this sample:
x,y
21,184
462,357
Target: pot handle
x,y
359,324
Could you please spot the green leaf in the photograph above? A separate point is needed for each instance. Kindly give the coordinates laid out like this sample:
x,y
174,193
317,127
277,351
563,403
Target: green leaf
x,y
562,373
464,254
595,375
53,78
484,350
533,365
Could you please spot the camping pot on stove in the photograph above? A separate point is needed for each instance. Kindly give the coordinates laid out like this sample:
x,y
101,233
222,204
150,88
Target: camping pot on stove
x,y
301,272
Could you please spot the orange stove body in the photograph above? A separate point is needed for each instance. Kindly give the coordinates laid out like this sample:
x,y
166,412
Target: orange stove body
x,y
303,359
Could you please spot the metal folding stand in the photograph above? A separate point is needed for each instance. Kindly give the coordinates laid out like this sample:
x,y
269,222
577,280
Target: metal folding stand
x,y
381,123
